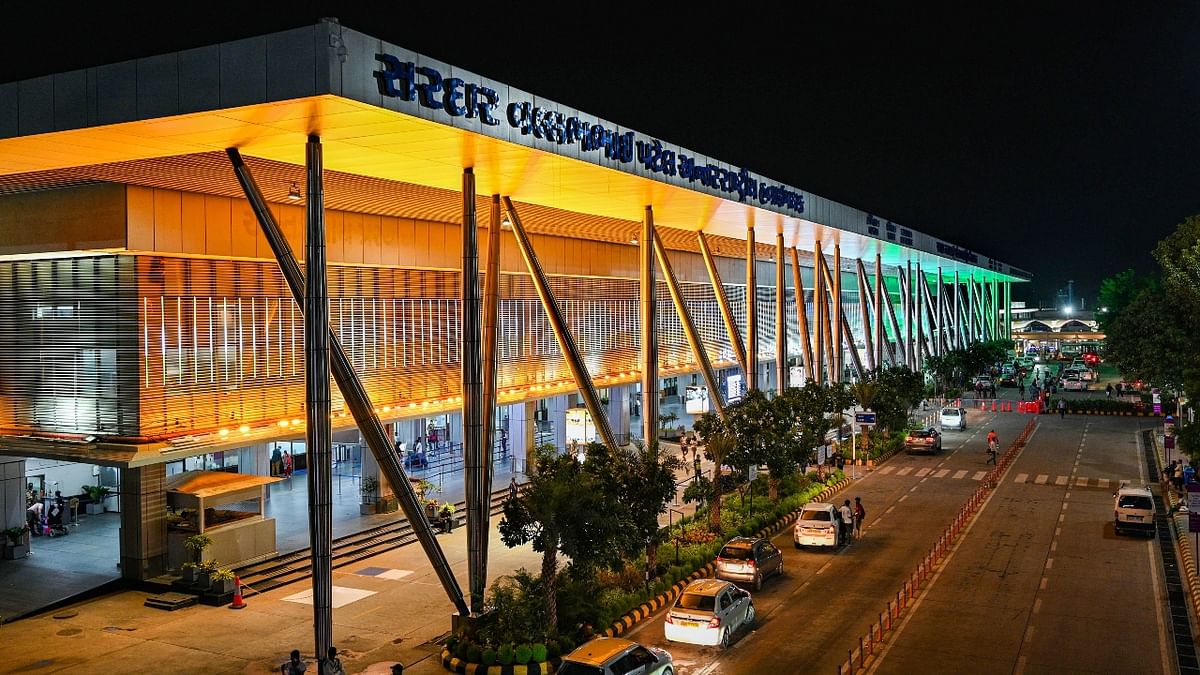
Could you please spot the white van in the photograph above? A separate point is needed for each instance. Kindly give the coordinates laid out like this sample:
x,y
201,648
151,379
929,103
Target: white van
x,y
954,418
1133,509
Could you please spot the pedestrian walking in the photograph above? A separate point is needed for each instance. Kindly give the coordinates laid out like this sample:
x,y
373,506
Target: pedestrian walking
x,y
683,450
696,463
993,441
1062,409
847,528
860,513
1177,479
513,490
294,665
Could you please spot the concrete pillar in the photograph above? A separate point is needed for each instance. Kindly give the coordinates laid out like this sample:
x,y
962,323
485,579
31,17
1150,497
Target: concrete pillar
x,y
618,411
521,429
143,521
556,407
12,492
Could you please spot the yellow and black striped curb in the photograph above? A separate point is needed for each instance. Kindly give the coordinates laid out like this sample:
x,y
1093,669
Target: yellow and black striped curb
x,y
456,665
1108,413
1179,528
647,609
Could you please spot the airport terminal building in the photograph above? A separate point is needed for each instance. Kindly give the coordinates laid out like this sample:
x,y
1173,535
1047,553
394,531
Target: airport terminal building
x,y
147,331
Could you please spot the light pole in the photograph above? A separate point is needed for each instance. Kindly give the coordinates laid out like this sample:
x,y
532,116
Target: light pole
x,y
670,525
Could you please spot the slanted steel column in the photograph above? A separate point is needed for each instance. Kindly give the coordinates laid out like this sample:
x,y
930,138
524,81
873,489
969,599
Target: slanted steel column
x,y
838,347
972,310
900,348
781,336
648,354
931,320
318,435
917,283
909,315
353,392
865,303
819,310
877,321
475,454
958,336
843,324
905,304
941,310
562,332
996,309
491,314
689,327
751,310
1008,310
802,315
731,327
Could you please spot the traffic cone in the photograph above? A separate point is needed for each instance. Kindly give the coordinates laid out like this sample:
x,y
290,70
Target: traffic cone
x,y
238,602
993,405
958,403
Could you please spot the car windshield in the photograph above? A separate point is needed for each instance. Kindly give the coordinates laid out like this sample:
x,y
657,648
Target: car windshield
x,y
735,552
572,668
704,603
815,515
950,412
923,433
1135,502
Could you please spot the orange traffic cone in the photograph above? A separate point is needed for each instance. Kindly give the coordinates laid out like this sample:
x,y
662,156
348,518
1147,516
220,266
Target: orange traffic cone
x,y
238,602
993,405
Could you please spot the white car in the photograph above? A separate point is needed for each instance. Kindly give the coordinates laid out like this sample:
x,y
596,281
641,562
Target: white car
x,y
954,418
816,526
1072,382
708,612
1133,509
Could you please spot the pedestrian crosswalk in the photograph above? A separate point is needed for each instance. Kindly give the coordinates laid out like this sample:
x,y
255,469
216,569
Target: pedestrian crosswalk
x,y
964,474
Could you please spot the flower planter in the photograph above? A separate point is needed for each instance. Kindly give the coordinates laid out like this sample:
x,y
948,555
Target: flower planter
x,y
367,509
223,586
15,552
190,575
204,579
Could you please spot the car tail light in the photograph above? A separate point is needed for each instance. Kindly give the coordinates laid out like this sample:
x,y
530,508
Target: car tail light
x,y
750,562
714,622
669,619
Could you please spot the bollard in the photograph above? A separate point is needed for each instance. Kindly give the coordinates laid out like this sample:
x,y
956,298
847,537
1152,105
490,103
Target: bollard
x,y
861,653
881,626
850,660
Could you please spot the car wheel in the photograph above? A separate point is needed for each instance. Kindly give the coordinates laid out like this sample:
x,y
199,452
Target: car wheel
x,y
780,572
725,638
750,614
796,543
668,671
758,581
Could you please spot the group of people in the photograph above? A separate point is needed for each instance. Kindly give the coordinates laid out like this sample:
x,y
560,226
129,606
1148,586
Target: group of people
x,y
1177,474
44,516
851,520
296,665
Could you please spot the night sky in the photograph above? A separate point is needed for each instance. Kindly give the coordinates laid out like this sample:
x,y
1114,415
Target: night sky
x,y
1062,140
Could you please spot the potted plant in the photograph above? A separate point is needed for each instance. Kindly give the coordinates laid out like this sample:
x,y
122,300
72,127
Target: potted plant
x,y
222,581
206,569
96,494
431,508
196,544
189,571
14,544
369,489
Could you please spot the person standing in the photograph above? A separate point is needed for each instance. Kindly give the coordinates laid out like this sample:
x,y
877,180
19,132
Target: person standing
x,y
860,514
1062,409
847,528
513,489
993,441
294,665
287,464
696,464
1108,391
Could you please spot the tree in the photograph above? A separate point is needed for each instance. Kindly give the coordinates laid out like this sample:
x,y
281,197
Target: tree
x,y
645,481
1151,340
760,428
718,447
565,508
1118,292
815,410
899,389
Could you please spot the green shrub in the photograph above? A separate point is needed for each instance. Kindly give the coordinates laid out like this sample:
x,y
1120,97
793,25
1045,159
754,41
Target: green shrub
x,y
460,650
488,657
522,655
566,644
505,654
538,652
553,650
474,653
451,643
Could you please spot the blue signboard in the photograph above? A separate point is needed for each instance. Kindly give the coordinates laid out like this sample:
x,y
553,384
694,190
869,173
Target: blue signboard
x,y
864,418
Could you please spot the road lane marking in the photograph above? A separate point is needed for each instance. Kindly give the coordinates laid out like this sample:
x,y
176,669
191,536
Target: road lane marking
x,y
887,469
1081,482
1054,547
1021,478
890,509
1029,634
905,471
1045,581
921,473
902,499
1064,507
1061,480
1037,605
959,474
979,475
1041,479
1049,563
942,473
1102,482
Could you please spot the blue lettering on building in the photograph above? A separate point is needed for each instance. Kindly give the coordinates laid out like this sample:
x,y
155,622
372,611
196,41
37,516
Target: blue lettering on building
x,y
457,98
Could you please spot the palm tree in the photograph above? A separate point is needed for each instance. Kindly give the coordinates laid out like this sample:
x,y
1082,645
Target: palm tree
x,y
718,448
864,392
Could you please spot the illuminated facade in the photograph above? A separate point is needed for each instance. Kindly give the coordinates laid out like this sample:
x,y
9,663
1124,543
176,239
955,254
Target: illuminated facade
x,y
146,318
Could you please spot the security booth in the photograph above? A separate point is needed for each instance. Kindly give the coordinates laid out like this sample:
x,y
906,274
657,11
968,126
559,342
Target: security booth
x,y
228,508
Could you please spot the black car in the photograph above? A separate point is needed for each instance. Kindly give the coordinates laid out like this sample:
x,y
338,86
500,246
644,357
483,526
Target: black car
x,y
923,440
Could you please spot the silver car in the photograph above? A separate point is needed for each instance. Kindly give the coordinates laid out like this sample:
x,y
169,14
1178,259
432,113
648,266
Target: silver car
x,y
709,612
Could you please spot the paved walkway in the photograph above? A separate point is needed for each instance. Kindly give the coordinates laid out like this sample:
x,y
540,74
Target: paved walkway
x,y
387,609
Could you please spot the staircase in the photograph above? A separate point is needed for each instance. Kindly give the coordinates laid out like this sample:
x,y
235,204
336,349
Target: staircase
x,y
287,568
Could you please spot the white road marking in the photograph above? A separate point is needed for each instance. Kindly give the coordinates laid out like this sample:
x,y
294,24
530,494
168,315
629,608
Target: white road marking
x,y
1064,508
979,475
887,469
902,499
1037,605
1102,482
959,474
1021,478
1049,563
1054,547
1029,634
890,509
941,473
1042,586
1081,482
921,473
1060,480
905,471
1041,479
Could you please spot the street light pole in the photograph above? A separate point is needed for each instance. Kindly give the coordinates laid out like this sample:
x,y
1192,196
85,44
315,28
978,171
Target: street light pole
x,y
670,525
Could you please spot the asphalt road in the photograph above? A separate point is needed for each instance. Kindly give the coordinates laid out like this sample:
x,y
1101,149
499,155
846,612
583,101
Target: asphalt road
x,y
976,616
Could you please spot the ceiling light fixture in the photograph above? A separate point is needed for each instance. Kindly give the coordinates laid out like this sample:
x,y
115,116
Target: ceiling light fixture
x,y
294,193
634,242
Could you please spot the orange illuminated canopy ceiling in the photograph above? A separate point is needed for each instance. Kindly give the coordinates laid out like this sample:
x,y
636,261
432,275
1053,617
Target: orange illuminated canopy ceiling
x,y
398,157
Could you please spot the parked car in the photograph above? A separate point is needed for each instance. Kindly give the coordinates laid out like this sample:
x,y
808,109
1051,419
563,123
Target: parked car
x,y
1072,382
749,561
616,656
708,612
954,418
1133,509
923,440
817,525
